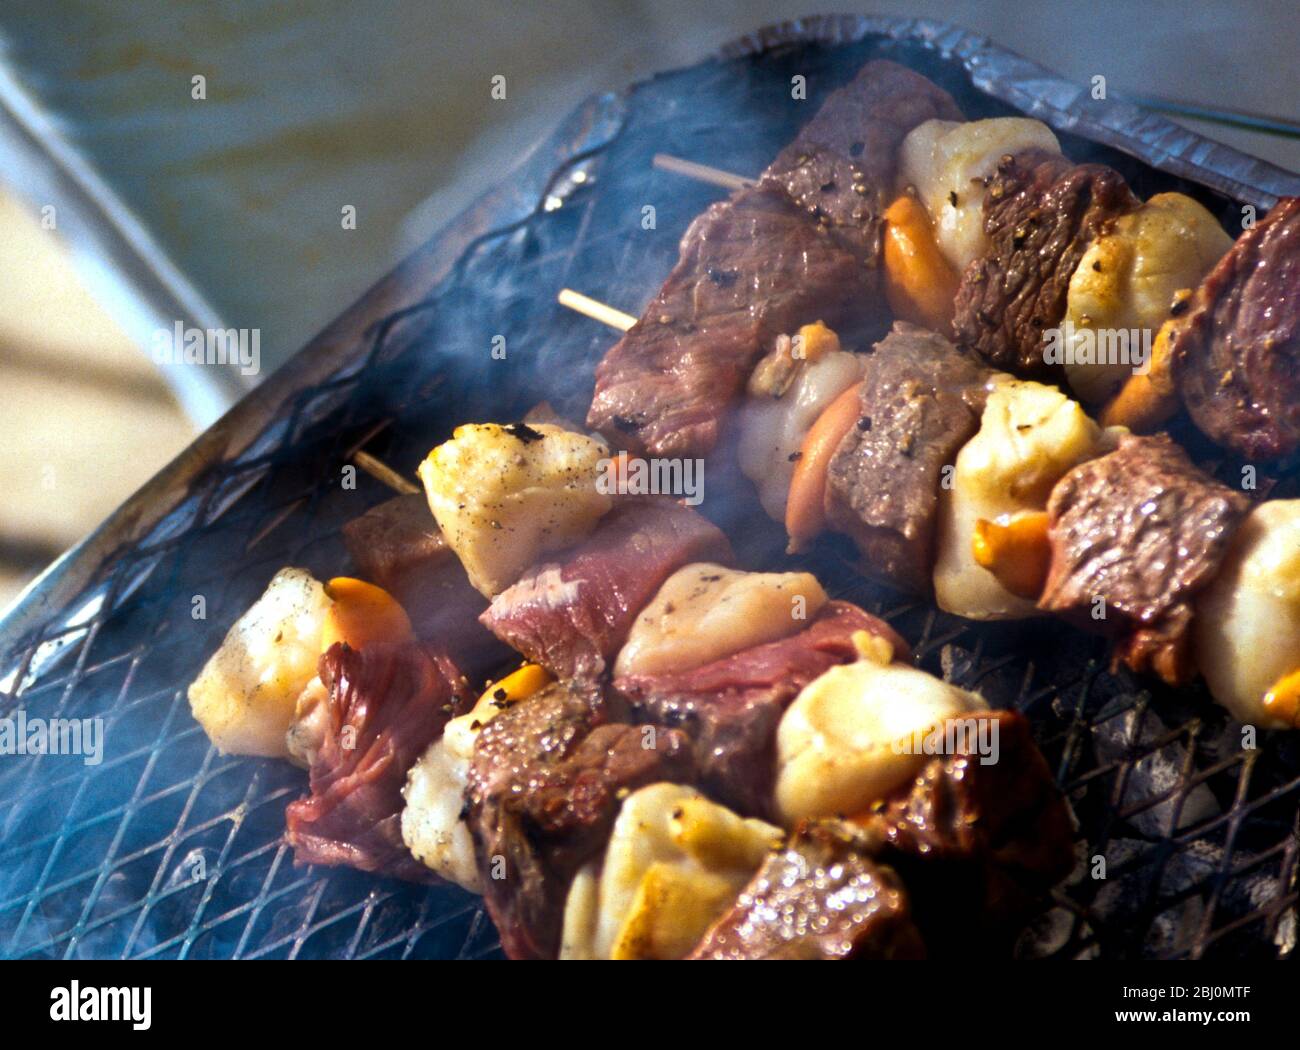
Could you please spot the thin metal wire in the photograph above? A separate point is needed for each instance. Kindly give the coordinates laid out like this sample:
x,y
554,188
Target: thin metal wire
x,y
100,860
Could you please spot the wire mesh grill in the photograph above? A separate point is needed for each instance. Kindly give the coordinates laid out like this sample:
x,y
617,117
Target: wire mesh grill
x,y
165,849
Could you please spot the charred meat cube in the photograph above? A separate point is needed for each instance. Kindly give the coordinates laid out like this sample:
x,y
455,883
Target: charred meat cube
x,y
840,167
395,540
1040,214
952,867
730,708
981,836
1236,352
1135,535
397,545
921,401
824,896
751,267
573,614
548,777
800,246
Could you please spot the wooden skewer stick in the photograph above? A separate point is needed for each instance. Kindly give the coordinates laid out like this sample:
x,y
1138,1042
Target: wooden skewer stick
x,y
702,172
596,310
615,318
381,471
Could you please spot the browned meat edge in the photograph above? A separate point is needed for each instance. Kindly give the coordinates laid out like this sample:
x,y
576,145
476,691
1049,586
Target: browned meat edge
x,y
801,245
1237,352
1135,535
1041,213
921,399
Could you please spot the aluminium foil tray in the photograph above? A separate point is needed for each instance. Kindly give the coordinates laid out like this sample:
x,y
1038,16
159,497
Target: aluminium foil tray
x,y
168,850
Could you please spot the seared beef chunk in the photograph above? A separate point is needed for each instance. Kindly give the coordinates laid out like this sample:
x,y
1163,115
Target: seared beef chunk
x,y
548,777
800,246
1144,530
921,401
398,546
386,704
396,539
840,167
1041,213
573,615
977,845
731,707
1237,352
750,268
822,897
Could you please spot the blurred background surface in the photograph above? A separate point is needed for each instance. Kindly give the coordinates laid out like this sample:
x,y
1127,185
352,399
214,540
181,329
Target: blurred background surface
x,y
227,210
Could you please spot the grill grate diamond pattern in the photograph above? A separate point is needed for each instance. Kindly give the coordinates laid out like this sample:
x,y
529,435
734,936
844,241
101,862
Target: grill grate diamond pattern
x,y
168,850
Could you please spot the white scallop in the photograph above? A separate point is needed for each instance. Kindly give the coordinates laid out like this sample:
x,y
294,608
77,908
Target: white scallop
x,y
1030,435
848,739
1247,625
772,429
948,163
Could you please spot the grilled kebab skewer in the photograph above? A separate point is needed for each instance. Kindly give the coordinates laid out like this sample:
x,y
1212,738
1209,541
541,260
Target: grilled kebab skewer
x,y
1206,573
759,716
803,241
996,235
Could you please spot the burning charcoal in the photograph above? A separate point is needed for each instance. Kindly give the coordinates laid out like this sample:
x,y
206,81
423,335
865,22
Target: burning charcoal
x,y
1157,771
1124,897
1046,936
1252,891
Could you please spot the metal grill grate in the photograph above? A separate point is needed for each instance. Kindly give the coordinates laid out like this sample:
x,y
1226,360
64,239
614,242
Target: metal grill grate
x,y
166,849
